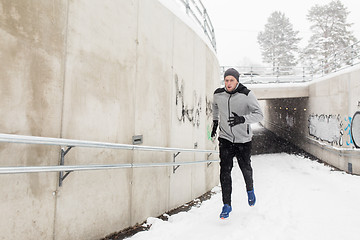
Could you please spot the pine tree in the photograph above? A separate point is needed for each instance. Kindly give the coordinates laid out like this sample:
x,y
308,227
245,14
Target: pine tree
x,y
330,34
278,42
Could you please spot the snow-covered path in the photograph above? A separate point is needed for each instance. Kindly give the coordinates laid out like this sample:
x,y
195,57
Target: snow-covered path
x,y
297,198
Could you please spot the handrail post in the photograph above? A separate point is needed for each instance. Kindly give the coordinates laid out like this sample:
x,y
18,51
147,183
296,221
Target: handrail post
x,y
213,39
205,22
174,160
187,6
62,176
303,74
251,74
207,158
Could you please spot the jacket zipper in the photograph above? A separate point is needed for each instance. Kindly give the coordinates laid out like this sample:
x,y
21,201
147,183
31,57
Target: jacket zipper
x,y
229,117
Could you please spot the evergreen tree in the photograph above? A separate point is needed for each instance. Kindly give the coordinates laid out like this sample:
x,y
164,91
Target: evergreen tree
x,y
278,42
330,34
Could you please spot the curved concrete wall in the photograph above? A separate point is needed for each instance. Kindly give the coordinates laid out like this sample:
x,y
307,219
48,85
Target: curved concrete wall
x,y
321,123
101,71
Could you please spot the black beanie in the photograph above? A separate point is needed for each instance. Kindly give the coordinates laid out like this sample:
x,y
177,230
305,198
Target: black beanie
x,y
232,72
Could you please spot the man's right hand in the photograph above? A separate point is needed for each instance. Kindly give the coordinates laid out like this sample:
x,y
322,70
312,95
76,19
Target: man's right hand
x,y
215,125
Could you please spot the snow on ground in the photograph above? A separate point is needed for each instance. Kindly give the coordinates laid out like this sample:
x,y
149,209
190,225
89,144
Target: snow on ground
x,y
296,199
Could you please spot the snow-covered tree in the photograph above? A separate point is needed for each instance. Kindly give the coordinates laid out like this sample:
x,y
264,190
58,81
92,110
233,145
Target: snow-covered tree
x,y
330,33
279,42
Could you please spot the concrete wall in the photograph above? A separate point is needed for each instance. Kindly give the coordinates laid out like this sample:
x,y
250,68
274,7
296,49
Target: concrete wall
x,y
321,123
101,71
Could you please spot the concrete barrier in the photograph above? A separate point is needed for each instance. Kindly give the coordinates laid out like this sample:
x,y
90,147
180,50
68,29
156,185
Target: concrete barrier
x,y
100,71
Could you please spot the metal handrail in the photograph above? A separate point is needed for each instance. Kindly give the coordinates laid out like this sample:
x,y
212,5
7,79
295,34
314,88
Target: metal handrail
x,y
13,138
198,11
71,168
22,139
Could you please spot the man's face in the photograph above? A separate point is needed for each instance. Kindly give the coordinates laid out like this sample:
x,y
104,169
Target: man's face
x,y
230,83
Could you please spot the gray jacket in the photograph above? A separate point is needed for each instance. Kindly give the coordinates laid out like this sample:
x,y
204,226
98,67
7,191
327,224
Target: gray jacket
x,y
242,102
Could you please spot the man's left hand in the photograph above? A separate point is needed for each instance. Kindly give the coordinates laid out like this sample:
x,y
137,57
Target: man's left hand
x,y
235,120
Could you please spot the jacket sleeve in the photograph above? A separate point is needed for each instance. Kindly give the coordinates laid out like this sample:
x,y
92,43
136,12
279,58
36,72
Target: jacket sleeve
x,y
215,109
255,115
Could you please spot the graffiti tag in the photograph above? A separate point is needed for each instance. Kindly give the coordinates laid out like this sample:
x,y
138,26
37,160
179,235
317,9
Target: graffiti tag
x,y
184,111
326,128
355,129
348,130
208,110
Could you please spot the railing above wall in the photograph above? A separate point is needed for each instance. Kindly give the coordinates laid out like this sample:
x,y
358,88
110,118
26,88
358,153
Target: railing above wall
x,y
342,59
249,75
69,143
197,11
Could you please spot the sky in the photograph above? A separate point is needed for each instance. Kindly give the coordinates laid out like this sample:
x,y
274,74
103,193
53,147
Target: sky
x,y
296,198
237,23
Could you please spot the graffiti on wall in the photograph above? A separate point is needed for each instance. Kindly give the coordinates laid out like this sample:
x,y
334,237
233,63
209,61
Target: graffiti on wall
x,y
208,115
326,128
347,129
355,129
190,112
208,107
208,132
334,129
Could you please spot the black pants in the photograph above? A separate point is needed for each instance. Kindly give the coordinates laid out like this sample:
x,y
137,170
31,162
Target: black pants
x,y
242,151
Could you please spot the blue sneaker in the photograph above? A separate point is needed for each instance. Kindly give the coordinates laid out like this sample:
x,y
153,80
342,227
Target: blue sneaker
x,y
251,198
225,211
